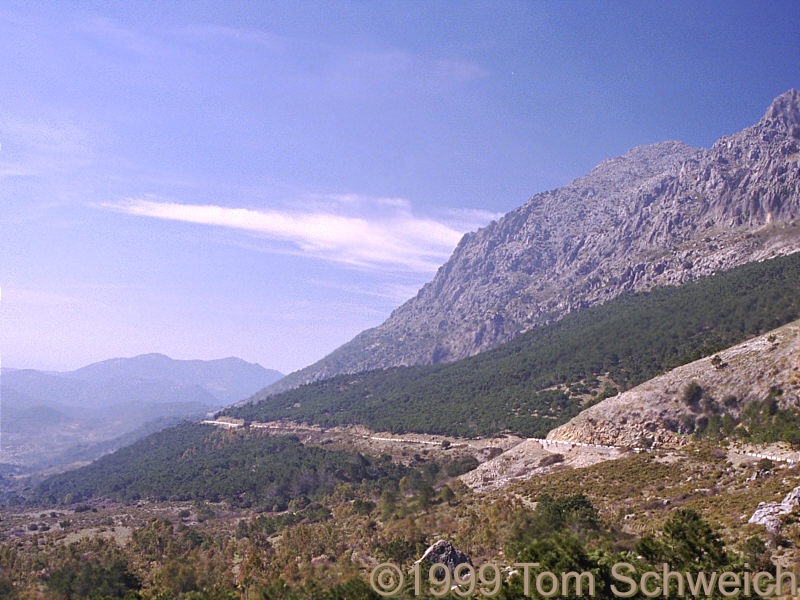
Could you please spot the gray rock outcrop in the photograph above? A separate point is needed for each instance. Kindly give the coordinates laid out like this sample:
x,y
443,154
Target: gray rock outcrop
x,y
660,214
655,413
769,514
444,553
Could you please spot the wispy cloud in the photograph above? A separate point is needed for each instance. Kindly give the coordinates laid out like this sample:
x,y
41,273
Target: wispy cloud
x,y
119,36
38,146
346,69
35,297
393,291
205,32
391,237
467,219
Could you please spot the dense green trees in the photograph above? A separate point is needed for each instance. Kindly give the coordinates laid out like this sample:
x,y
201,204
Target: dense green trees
x,y
686,542
760,421
245,468
96,571
563,535
513,387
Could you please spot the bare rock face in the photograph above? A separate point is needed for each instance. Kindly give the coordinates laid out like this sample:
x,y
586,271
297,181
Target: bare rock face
x,y
769,514
444,553
660,214
656,412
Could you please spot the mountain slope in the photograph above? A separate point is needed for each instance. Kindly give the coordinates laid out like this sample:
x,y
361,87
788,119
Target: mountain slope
x,y
49,418
543,377
762,373
151,378
660,214
632,338
227,379
192,461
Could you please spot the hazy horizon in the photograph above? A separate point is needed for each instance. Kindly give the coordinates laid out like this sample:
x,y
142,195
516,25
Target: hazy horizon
x,y
265,182
5,367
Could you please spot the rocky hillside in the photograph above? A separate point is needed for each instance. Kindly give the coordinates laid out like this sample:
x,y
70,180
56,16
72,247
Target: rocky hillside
x,y
659,214
662,412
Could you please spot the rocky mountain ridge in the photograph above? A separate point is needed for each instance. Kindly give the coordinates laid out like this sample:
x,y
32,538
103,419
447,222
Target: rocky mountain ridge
x,y
660,214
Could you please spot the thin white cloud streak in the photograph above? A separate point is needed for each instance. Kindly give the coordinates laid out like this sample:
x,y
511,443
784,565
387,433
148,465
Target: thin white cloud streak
x,y
34,297
123,37
396,293
395,241
265,39
467,219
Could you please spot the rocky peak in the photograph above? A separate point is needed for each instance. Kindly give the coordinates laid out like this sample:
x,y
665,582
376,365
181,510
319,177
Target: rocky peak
x,y
659,215
638,164
784,112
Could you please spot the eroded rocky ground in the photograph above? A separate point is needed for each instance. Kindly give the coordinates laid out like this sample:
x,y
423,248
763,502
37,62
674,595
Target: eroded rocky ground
x,y
656,412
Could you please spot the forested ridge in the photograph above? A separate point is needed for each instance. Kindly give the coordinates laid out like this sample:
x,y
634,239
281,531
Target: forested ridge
x,y
513,387
192,462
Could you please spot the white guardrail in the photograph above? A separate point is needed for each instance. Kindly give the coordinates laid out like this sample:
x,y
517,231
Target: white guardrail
x,y
544,441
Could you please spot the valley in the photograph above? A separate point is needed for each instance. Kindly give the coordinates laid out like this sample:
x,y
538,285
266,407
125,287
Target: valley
x,y
61,420
207,547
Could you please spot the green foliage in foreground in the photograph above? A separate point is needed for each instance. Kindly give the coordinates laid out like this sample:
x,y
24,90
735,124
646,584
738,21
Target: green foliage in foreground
x,y
760,421
210,560
632,338
564,535
193,461
76,579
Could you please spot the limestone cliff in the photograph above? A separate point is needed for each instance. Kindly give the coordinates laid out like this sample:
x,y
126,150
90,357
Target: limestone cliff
x,y
660,214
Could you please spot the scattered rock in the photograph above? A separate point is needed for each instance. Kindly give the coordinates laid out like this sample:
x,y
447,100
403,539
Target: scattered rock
x,y
444,553
649,410
769,514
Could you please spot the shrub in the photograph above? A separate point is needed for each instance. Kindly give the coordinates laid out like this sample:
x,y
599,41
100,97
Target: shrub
x,y
363,507
551,459
461,466
692,393
447,495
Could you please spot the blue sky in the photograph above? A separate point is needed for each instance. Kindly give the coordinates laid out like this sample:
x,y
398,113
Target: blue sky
x,y
266,180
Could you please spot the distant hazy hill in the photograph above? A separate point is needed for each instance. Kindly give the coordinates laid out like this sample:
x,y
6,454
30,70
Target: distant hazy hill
x,y
226,379
660,214
52,418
